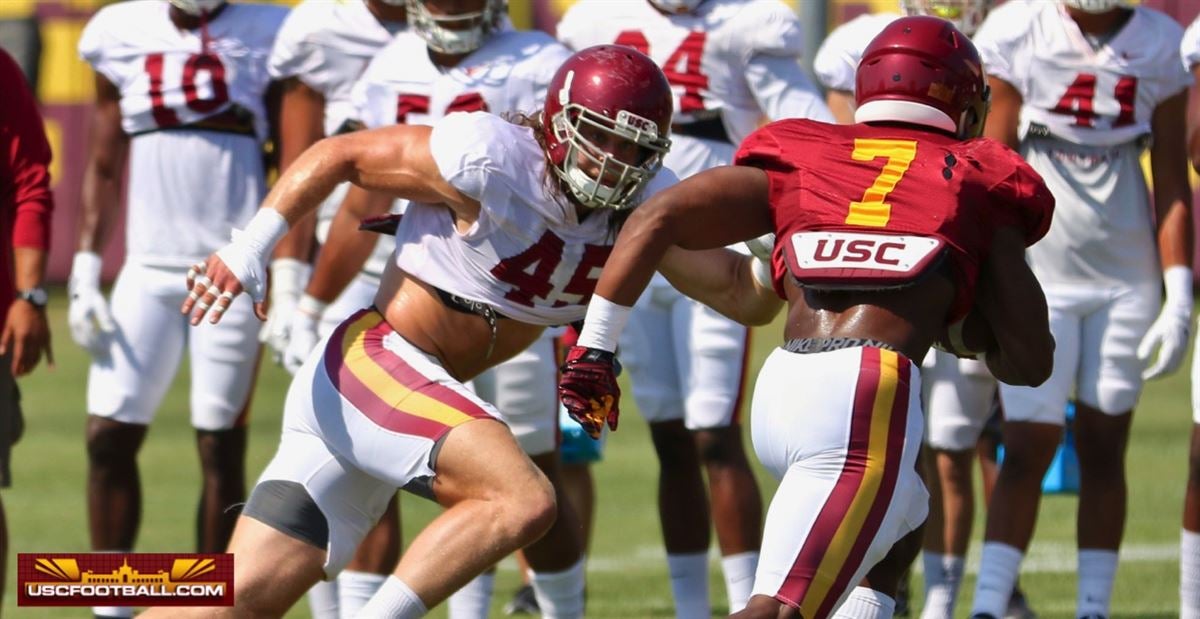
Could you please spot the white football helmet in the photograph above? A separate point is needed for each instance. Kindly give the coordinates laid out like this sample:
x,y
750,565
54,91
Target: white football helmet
x,y
966,15
197,7
456,34
1095,6
677,7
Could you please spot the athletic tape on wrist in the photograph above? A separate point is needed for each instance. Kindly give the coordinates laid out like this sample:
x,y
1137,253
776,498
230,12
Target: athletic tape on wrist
x,y
761,271
1177,280
85,269
603,324
311,306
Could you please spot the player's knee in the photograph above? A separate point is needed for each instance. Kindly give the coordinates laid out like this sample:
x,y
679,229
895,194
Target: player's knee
x,y
222,453
113,444
720,446
674,445
532,512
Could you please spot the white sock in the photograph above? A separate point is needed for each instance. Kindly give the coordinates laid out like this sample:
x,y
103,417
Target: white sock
x,y
1097,571
559,594
739,578
1189,575
689,584
865,603
355,589
473,600
999,564
113,611
323,600
394,600
943,575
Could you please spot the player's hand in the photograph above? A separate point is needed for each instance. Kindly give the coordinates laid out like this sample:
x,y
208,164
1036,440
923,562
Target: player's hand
x,y
588,389
1169,336
288,278
214,283
27,335
87,312
304,338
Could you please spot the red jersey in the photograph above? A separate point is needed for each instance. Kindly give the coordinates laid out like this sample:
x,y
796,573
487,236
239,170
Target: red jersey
x,y
25,199
869,206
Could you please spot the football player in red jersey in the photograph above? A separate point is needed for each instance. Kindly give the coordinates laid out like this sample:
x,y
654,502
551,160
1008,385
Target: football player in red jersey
x,y
888,231
385,406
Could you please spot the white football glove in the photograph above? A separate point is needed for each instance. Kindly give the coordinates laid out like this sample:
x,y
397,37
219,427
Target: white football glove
x,y
1169,333
288,278
303,327
87,314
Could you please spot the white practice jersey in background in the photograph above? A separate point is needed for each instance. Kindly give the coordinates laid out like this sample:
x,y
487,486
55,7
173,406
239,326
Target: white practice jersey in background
x,y
527,255
837,59
1189,47
187,187
1085,110
736,59
326,44
510,72
1099,97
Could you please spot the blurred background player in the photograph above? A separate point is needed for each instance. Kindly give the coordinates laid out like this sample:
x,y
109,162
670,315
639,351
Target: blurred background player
x,y
458,56
1189,544
321,49
731,64
1082,88
959,393
25,207
180,93
956,215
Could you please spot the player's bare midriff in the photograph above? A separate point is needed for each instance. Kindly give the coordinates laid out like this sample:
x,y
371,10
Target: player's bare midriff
x,y
909,319
458,339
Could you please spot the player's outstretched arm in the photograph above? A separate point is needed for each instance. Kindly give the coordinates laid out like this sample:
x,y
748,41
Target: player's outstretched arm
x,y
395,160
1011,300
726,281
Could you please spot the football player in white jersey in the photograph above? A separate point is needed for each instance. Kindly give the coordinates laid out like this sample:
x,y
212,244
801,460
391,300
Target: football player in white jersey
x,y
1189,544
959,393
732,64
508,226
190,77
321,49
1079,86
462,56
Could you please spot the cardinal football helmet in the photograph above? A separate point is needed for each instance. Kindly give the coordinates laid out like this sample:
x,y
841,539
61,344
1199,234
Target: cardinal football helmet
x,y
922,70
616,92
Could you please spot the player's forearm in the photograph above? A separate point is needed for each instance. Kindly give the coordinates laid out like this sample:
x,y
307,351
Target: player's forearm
x,y
29,267
310,178
100,205
723,280
1175,236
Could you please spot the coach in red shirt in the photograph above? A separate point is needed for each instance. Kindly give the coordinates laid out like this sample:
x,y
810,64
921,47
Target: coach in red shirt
x,y
25,207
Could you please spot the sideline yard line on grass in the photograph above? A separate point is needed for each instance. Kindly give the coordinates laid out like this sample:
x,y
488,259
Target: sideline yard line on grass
x,y
1044,558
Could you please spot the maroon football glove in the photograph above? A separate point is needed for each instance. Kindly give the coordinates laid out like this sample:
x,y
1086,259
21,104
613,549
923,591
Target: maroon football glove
x,y
588,389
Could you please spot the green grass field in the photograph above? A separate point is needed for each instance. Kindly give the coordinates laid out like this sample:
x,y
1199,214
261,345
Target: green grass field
x,y
627,573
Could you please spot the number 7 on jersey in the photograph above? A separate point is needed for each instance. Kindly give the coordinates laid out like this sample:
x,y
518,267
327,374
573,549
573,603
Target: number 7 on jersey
x,y
872,211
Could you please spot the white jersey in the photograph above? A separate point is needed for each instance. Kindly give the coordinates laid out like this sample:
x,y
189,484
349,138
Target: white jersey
x,y
1084,111
326,44
837,59
1097,96
401,85
191,185
1189,47
509,73
736,61
527,255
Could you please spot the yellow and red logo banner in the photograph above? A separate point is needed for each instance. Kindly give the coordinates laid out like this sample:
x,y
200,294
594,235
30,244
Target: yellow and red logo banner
x,y
124,579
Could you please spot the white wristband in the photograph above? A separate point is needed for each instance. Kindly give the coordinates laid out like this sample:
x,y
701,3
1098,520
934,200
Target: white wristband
x,y
262,233
761,271
603,324
1178,282
311,306
85,269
